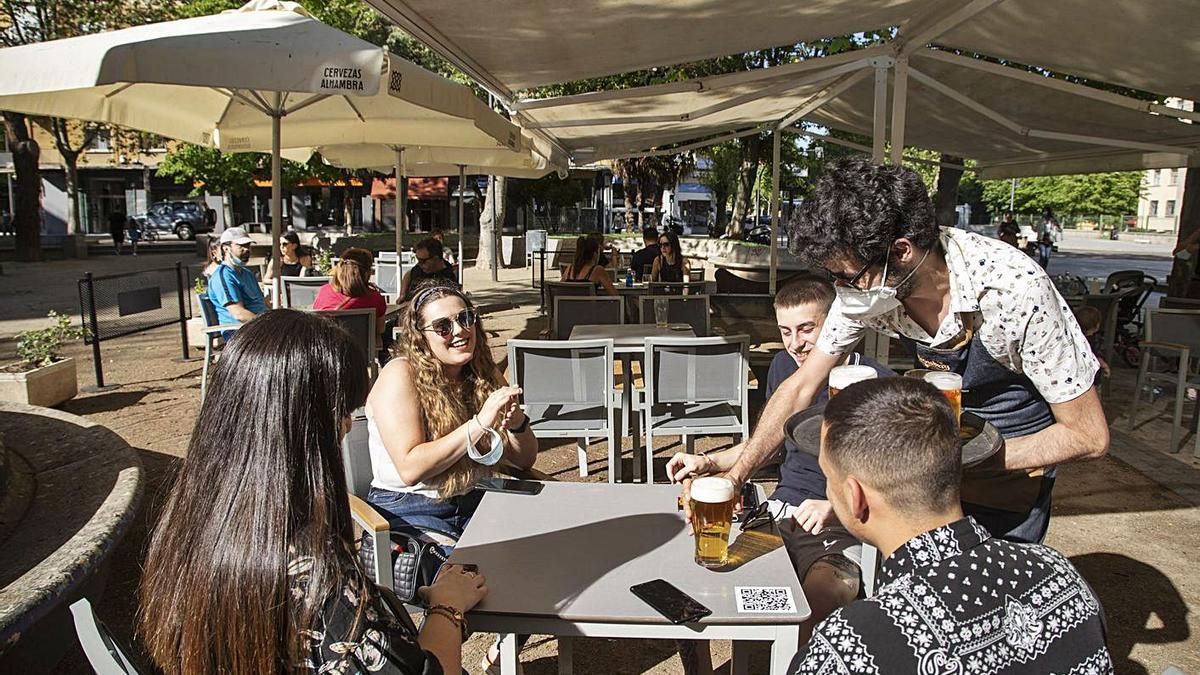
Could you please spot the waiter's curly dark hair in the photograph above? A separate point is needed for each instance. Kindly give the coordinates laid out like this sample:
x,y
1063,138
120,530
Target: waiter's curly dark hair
x,y
858,209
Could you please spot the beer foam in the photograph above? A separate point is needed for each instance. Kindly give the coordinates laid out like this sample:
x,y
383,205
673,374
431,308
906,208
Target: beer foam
x,y
944,381
844,376
712,490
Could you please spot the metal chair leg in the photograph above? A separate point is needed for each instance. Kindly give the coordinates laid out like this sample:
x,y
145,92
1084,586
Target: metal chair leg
x,y
1137,389
204,372
1180,397
581,449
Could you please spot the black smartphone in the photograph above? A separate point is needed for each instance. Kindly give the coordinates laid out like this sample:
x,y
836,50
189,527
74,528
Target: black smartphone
x,y
749,498
509,485
677,606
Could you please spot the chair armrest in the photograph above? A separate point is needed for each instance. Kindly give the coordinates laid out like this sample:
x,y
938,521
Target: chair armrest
x,y
1170,346
221,328
526,474
366,517
717,330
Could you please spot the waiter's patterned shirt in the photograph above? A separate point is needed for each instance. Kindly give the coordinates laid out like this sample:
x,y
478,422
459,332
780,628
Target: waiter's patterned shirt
x,y
956,602
1013,306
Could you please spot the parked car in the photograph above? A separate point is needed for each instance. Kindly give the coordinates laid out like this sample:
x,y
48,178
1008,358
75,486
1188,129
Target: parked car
x,y
182,218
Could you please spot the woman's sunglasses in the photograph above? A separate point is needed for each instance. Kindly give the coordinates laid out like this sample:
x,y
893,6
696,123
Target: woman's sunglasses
x,y
445,325
665,243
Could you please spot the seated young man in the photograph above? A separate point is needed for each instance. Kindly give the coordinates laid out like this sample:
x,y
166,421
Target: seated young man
x,y
815,541
953,599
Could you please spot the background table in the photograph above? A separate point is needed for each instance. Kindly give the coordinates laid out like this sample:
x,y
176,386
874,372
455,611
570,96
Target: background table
x,y
561,563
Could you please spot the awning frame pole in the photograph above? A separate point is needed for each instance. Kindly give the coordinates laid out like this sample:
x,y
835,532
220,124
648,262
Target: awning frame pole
x,y
879,129
276,197
462,230
773,280
899,109
401,203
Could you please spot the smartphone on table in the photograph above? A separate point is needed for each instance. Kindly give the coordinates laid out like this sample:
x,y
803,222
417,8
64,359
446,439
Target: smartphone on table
x,y
677,606
509,485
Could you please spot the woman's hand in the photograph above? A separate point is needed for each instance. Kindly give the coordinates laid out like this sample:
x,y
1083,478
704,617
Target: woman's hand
x,y
456,587
494,409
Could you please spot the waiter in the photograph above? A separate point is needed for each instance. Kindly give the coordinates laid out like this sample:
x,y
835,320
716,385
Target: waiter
x,y
959,302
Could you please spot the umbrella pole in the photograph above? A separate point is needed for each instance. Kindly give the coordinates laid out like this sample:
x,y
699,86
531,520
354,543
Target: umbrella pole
x,y
401,205
774,250
276,199
462,175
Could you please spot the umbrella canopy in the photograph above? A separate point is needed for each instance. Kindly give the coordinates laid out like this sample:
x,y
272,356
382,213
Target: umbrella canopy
x,y
239,79
427,161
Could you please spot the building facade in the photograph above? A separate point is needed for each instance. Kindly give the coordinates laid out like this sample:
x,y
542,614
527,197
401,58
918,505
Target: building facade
x,y
1162,190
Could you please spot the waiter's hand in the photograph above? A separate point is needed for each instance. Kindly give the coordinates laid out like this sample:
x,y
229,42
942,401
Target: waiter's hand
x,y
685,500
814,515
685,465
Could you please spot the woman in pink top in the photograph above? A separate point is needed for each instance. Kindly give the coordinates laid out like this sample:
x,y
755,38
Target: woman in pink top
x,y
350,287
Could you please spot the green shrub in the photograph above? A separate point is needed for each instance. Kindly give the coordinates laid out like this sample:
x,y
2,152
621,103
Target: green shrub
x,y
38,348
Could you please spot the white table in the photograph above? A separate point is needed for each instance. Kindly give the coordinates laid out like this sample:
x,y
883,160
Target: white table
x,y
629,340
561,563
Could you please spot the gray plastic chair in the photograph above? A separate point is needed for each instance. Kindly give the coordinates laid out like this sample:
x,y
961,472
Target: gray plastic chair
x,y
213,329
301,292
677,287
690,309
556,289
387,275
1175,335
695,386
100,647
572,311
567,391
356,460
360,324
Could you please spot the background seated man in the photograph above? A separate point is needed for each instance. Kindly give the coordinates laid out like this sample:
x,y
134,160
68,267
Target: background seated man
x,y
815,541
233,289
643,258
430,265
953,599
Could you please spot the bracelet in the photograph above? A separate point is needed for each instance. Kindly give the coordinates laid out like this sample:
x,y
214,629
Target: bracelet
x,y
521,428
450,614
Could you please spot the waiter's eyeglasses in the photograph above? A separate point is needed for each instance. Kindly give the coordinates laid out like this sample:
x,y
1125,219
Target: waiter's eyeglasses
x,y
839,278
444,326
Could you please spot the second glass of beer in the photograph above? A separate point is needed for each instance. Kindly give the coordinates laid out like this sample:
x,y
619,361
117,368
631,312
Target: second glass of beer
x,y
950,384
844,376
712,517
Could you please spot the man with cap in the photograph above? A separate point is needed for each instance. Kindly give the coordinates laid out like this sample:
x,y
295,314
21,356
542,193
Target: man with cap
x,y
233,289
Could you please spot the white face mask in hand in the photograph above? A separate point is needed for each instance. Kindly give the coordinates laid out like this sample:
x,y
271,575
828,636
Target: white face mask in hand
x,y
859,304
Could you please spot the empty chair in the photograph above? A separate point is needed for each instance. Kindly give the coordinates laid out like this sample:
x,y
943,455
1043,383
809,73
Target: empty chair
x,y
690,309
356,458
360,323
567,391
572,311
694,386
100,647
387,276
301,292
213,331
554,289
1174,336
694,287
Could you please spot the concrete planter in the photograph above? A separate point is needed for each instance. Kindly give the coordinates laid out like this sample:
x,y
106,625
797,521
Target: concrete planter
x,y
46,386
512,251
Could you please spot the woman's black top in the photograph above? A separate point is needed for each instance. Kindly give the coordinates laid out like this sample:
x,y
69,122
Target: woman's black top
x,y
668,272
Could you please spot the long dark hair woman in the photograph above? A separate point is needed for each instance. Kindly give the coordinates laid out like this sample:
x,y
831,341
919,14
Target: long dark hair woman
x,y
670,265
252,567
586,265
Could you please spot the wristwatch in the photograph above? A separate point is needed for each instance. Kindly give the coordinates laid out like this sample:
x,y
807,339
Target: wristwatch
x,y
522,428
452,615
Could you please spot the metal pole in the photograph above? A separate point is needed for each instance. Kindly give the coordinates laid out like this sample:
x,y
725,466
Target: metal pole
x,y
899,109
401,201
276,196
12,203
495,228
1012,194
462,177
775,214
179,274
95,330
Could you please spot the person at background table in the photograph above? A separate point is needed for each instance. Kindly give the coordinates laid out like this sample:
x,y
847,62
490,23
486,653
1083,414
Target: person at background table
x,y
233,289
670,265
1089,322
814,540
447,253
606,248
959,302
431,267
255,537
646,255
586,266
215,257
116,228
433,400
305,255
952,598
1048,230
1009,231
350,287
289,258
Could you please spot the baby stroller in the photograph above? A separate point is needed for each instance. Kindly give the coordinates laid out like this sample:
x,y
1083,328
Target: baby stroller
x,y
1135,288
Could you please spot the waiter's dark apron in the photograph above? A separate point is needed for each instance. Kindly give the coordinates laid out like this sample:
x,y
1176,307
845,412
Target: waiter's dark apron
x,y
1013,505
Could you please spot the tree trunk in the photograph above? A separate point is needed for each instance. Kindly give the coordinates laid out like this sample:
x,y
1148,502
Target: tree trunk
x,y
641,205
722,210
1189,222
747,174
27,218
71,170
945,200
146,187
488,228
630,216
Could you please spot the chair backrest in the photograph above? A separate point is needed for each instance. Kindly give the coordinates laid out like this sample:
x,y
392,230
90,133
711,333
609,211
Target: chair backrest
x,y
563,372
301,292
209,310
697,370
100,647
574,288
387,275
696,273
1178,303
676,287
1124,280
356,456
360,323
689,309
571,311
386,256
743,306
1180,326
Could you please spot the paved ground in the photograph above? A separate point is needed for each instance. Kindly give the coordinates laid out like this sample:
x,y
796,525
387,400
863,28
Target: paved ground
x,y
1134,538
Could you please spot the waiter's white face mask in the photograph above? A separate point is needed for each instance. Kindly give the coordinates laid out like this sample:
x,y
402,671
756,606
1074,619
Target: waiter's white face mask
x,y
859,304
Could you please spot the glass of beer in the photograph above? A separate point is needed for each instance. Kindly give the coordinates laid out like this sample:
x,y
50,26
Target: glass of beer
x,y
712,517
844,376
660,312
950,384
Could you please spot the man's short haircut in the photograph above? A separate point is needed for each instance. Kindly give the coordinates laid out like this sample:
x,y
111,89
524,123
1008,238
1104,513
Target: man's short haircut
x,y
432,246
898,436
805,289
649,233
1088,318
857,211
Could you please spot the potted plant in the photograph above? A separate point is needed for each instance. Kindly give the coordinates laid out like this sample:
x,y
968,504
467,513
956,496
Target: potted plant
x,y
42,377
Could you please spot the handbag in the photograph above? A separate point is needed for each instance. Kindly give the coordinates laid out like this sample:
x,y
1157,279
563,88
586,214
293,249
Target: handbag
x,y
415,563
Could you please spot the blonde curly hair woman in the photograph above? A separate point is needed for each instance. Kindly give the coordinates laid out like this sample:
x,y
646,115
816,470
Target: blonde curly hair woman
x,y
440,397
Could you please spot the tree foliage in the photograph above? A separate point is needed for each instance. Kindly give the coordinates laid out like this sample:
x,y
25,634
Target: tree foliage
x,y
1113,194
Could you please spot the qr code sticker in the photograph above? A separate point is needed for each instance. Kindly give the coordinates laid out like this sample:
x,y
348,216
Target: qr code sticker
x,y
765,600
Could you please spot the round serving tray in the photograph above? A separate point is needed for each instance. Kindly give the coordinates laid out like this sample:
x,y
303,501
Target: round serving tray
x,y
981,440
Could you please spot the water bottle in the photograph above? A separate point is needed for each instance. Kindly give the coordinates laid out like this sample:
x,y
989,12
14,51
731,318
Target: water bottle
x,y
629,278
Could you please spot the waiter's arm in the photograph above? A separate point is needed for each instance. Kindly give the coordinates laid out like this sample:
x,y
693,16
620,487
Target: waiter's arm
x,y
1080,431
793,395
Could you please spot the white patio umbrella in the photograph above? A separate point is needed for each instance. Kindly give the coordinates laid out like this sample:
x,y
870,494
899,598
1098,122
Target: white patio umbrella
x,y
230,80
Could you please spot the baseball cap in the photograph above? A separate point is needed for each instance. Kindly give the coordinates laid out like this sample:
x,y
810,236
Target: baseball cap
x,y
235,235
